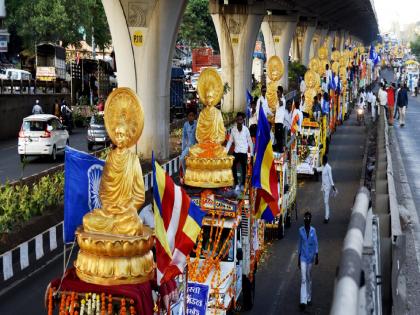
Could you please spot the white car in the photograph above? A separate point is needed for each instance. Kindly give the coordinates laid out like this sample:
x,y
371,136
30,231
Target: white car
x,y
42,134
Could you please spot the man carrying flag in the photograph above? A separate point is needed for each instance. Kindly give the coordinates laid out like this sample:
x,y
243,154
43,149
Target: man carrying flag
x,y
177,224
264,176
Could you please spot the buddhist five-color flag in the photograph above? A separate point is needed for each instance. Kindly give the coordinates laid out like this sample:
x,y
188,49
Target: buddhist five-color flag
x,y
177,224
264,176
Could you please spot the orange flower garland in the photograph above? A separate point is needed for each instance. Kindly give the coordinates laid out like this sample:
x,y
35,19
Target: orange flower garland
x,y
50,301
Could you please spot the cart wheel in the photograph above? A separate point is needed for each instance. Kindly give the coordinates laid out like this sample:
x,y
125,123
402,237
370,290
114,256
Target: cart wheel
x,y
248,293
288,220
316,176
280,230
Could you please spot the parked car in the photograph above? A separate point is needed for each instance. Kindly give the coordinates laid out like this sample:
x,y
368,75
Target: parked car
x,y
42,134
15,74
96,133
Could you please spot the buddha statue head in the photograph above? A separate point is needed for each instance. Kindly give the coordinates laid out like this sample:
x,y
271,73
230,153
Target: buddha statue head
x,y
210,87
124,118
275,68
122,138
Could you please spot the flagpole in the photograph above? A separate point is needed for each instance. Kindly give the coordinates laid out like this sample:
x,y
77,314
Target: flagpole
x,y
64,257
186,289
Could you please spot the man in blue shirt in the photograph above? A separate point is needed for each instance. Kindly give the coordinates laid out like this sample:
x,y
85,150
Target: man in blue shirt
x,y
188,136
308,255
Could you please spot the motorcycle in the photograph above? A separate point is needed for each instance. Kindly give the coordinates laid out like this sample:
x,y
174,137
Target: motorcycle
x,y
360,112
67,122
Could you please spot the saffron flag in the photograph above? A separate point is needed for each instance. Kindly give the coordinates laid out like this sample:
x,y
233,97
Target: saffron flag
x,y
264,176
177,224
82,178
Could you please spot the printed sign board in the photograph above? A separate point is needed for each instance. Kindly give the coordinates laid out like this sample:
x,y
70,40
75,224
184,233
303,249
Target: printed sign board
x,y
197,296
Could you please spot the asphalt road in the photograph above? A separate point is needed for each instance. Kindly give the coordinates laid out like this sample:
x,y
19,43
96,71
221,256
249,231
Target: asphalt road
x,y
278,277
11,167
409,144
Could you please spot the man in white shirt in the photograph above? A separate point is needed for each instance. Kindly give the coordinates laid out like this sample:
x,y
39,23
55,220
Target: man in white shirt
x,y
262,101
372,98
383,98
328,74
327,184
241,138
324,85
279,120
302,87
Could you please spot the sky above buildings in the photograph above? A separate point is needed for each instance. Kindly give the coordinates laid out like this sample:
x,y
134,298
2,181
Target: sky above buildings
x,y
401,11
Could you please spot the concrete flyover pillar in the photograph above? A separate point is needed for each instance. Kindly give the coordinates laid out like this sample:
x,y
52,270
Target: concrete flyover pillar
x,y
278,32
237,27
143,35
317,41
330,43
344,39
323,36
297,40
341,40
307,41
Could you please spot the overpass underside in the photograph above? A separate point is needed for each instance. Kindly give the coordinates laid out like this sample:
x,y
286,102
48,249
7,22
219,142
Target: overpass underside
x,y
144,33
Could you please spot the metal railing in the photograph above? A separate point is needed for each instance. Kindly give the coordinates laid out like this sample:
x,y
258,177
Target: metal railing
x,y
393,203
25,87
350,274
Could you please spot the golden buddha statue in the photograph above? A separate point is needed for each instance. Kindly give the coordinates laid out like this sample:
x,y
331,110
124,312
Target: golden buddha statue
x,y
115,247
275,70
314,64
208,164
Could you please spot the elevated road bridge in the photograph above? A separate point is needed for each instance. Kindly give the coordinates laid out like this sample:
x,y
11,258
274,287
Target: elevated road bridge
x,y
144,34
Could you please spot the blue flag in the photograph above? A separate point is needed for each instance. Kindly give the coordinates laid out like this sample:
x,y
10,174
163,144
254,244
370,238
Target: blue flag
x,y
373,55
82,177
248,103
332,83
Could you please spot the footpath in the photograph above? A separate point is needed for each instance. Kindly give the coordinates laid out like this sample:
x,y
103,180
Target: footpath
x,y
405,147
278,277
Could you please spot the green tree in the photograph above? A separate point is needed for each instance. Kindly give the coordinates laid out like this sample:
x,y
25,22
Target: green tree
x,y
57,20
415,47
197,26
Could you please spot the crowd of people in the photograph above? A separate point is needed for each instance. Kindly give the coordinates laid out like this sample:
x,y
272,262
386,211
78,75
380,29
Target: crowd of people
x,y
392,99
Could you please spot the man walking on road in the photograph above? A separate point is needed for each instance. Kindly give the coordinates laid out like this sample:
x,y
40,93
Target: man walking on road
x,y
327,184
391,98
308,255
37,109
402,104
383,98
